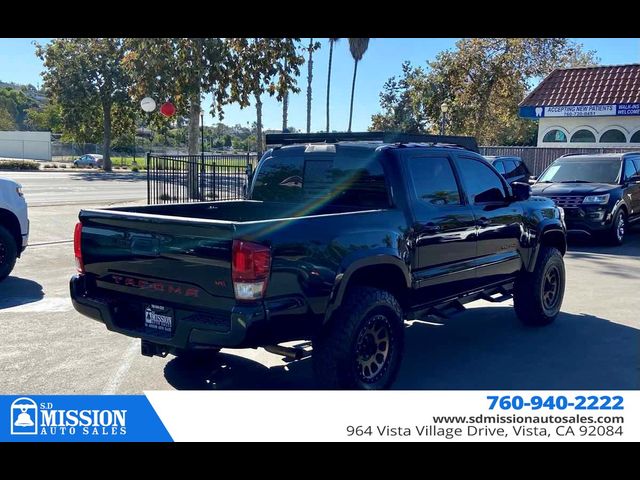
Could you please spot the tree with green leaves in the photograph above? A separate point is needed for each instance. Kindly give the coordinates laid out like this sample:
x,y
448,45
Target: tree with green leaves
x,y
357,47
288,70
257,67
332,42
180,70
46,118
17,103
6,119
313,46
84,76
483,80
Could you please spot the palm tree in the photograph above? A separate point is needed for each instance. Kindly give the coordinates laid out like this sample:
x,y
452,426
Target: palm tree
x,y
332,41
285,103
357,46
311,48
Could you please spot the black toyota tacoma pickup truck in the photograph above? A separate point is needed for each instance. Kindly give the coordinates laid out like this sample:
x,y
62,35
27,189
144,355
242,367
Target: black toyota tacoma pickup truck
x,y
342,238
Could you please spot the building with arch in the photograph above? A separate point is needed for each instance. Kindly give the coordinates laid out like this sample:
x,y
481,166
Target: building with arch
x,y
587,107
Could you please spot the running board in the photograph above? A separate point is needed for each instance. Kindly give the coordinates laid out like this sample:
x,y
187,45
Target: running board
x,y
451,307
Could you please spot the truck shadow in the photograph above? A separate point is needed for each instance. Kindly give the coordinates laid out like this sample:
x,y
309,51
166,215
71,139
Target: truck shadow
x,y
484,348
15,291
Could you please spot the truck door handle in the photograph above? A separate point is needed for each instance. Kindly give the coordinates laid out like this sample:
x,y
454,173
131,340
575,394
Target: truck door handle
x,y
431,228
483,222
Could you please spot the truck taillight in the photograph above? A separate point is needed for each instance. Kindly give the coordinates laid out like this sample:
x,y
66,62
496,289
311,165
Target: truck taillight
x,y
77,248
250,267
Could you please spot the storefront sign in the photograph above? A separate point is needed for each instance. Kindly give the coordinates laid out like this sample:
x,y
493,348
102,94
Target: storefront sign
x,y
624,109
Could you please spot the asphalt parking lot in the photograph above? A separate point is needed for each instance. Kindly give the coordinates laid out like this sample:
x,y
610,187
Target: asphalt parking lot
x,y
49,348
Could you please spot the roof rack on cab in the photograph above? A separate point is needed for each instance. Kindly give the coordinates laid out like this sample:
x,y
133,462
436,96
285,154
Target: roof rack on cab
x,y
468,143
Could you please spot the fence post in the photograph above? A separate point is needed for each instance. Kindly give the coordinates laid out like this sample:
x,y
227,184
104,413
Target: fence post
x,y
202,172
148,180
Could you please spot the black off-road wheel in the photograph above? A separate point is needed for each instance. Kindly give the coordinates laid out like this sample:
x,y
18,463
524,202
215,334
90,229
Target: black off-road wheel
x,y
8,253
615,235
538,295
361,347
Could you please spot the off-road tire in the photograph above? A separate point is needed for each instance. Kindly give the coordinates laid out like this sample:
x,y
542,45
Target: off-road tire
x,y
8,253
350,350
538,295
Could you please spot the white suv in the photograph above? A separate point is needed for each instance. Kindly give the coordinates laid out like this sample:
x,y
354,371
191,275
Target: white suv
x,y
14,225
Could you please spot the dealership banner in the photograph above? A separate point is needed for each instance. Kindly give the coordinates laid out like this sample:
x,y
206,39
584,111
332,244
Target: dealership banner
x,y
232,416
614,110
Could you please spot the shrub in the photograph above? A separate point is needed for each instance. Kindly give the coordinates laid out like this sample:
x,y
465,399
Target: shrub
x,y
62,165
135,169
19,165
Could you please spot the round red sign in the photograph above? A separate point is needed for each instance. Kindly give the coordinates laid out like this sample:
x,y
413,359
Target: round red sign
x,y
167,109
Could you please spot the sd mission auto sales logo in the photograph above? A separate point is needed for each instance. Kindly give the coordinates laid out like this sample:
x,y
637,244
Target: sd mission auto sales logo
x,y
31,418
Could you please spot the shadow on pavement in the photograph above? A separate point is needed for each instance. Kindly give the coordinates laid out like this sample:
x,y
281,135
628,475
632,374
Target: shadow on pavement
x,y
484,348
105,176
582,247
16,291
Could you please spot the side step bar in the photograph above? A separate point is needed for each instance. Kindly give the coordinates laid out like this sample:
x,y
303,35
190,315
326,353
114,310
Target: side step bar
x,y
448,308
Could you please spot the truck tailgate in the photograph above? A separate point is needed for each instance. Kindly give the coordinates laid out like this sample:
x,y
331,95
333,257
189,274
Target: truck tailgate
x,y
168,259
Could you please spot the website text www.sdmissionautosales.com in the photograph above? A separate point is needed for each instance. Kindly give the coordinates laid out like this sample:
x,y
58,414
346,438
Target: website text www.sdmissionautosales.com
x,y
530,426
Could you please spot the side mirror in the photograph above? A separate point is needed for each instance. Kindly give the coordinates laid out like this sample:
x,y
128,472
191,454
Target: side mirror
x,y
521,191
634,179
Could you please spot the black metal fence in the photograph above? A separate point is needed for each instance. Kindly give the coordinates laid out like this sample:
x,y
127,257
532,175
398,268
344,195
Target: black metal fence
x,y
197,178
539,158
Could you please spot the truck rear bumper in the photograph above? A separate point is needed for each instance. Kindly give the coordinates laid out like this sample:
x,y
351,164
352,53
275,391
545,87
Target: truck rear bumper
x,y
238,328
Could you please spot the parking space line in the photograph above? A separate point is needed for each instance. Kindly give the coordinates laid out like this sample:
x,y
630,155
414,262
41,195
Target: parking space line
x,y
114,383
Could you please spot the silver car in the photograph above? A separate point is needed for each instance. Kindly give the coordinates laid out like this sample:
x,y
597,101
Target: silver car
x,y
89,160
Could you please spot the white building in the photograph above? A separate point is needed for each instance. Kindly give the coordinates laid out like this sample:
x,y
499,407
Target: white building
x,y
587,107
25,145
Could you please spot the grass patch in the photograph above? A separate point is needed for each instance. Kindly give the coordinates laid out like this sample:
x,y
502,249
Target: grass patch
x,y
19,165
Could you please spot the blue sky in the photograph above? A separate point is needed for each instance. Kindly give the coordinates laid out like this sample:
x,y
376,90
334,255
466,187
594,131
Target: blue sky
x,y
383,59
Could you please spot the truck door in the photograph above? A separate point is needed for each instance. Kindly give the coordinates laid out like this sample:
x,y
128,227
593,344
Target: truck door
x,y
443,228
499,220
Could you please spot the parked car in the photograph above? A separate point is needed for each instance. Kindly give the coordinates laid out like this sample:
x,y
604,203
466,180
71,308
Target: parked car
x,y
372,233
600,194
14,225
513,169
89,160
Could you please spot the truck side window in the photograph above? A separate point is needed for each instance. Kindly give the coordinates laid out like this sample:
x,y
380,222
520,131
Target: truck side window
x,y
433,180
279,179
521,168
510,166
499,166
481,183
349,178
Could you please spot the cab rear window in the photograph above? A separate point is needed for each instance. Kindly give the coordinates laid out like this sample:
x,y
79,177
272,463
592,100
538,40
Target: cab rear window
x,y
349,177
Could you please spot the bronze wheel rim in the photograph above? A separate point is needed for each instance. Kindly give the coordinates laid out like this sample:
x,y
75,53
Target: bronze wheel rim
x,y
551,288
373,349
